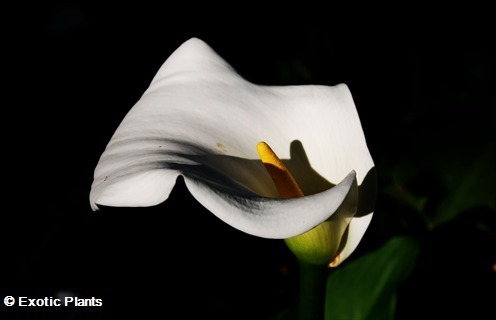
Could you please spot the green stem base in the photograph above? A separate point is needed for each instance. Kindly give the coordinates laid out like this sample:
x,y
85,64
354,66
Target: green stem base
x,y
313,279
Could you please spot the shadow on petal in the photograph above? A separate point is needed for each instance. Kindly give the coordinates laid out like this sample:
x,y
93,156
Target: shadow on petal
x,y
367,193
249,177
309,180
132,158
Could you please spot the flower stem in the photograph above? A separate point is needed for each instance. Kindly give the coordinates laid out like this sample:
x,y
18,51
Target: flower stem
x,y
313,280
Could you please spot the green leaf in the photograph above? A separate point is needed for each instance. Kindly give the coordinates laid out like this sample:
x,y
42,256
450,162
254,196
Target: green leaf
x,y
365,288
398,178
469,186
287,314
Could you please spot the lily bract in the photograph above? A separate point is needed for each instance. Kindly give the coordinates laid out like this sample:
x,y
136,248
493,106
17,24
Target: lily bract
x,y
200,120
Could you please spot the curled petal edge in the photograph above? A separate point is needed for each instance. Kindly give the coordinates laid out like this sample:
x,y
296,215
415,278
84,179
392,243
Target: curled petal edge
x,y
274,218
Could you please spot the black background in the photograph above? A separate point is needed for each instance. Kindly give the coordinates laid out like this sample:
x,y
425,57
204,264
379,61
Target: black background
x,y
75,70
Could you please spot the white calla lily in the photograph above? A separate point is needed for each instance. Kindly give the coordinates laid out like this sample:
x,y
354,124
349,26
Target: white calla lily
x,y
200,120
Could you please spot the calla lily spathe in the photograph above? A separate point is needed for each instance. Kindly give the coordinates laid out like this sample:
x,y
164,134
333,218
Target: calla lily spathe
x,y
200,120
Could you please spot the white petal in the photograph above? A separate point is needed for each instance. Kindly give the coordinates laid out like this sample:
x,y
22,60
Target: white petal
x,y
201,120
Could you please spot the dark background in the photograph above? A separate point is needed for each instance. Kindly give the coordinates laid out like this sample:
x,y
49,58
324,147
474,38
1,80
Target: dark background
x,y
77,69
